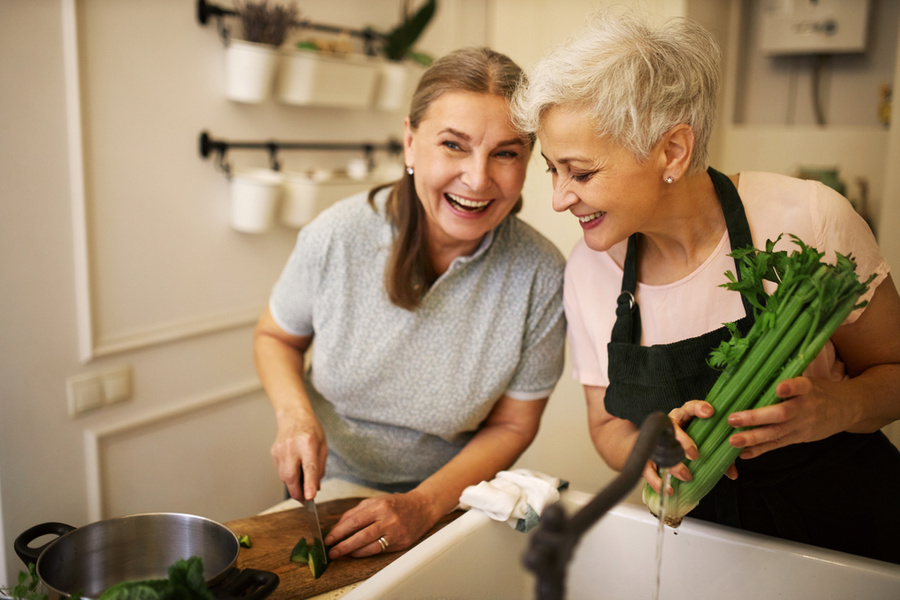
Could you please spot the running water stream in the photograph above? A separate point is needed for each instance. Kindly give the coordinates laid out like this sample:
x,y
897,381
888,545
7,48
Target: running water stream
x,y
661,531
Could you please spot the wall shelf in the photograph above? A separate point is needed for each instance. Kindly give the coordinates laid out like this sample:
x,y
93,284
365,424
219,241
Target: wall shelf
x,y
206,10
209,145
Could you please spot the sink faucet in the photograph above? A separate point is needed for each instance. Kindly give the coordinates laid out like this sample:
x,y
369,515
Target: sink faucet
x,y
553,543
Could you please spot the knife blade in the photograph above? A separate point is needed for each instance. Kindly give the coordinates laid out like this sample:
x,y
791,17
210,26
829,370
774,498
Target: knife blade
x,y
312,518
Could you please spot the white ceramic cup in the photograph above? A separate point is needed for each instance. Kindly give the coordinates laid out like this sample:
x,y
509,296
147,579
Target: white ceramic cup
x,y
255,194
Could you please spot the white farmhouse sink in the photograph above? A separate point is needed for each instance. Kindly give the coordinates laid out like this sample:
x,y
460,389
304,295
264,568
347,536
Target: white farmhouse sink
x,y
477,558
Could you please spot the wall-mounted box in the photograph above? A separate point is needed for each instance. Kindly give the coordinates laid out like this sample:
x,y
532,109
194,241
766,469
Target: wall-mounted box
x,y
814,26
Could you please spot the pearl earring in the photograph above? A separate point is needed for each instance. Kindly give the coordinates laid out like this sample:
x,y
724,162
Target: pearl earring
x,y
669,179
409,170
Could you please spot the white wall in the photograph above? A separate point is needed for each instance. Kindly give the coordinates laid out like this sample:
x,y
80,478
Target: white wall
x,y
768,124
136,265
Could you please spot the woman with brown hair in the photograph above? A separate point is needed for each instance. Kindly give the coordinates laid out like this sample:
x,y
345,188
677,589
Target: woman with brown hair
x,y
437,318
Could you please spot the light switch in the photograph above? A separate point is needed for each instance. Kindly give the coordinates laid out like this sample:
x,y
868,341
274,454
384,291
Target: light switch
x,y
116,385
85,393
89,391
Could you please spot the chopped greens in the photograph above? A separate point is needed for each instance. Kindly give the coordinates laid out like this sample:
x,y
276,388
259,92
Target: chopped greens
x,y
314,556
300,553
317,562
185,582
27,586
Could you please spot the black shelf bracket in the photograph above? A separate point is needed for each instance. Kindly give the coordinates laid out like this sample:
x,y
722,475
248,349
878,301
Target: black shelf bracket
x,y
209,146
206,10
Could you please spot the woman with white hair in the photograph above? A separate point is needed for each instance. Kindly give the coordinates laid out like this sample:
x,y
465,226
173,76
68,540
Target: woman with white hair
x,y
624,113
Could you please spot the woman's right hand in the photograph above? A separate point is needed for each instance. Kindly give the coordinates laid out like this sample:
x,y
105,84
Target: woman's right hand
x,y
681,417
614,438
299,446
299,450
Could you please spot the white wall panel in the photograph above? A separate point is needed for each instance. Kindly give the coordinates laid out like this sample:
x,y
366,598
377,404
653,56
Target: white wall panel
x,y
163,262
201,456
103,102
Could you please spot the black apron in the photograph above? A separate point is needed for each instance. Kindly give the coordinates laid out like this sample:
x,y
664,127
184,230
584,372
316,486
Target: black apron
x,y
841,493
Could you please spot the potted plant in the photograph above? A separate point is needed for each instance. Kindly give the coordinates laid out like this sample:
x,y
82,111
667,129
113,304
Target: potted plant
x,y
251,62
324,73
397,79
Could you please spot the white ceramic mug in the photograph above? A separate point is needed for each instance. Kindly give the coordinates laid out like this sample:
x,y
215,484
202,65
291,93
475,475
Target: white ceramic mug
x,y
255,194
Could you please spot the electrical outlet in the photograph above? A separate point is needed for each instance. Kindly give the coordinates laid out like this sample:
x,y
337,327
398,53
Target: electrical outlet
x,y
85,393
90,391
116,384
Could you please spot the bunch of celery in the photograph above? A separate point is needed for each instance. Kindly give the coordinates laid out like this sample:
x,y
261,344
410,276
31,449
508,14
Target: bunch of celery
x,y
810,301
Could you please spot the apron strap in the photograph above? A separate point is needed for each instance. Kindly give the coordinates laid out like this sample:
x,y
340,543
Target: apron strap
x,y
735,221
627,328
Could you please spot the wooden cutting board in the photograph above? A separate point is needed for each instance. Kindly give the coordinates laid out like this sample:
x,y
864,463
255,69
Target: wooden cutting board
x,y
274,535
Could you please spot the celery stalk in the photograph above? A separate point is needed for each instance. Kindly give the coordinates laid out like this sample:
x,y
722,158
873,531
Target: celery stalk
x,y
811,301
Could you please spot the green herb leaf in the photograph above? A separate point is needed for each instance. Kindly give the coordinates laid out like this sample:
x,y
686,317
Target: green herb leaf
x,y
398,42
185,582
26,587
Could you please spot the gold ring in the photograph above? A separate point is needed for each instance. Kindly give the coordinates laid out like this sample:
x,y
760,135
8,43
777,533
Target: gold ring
x,y
383,543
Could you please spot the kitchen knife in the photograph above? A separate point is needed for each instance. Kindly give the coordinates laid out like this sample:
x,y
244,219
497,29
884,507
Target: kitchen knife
x,y
312,518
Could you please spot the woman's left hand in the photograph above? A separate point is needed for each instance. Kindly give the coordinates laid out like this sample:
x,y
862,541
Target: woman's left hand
x,y
808,412
399,519
814,409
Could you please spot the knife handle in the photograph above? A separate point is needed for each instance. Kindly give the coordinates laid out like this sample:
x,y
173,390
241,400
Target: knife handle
x,y
300,477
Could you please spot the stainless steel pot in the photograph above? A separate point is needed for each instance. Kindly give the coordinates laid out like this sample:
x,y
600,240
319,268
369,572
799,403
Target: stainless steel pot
x,y
90,559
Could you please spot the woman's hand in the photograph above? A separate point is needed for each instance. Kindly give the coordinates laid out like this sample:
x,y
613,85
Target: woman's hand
x,y
681,417
814,408
300,449
299,445
808,412
400,519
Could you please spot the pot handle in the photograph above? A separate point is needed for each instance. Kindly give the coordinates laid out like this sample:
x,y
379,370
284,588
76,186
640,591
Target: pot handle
x,y
22,543
251,584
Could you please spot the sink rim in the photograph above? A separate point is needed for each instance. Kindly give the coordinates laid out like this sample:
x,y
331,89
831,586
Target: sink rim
x,y
430,550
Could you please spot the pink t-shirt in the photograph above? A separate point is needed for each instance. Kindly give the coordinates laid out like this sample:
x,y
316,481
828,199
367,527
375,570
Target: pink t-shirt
x,y
695,305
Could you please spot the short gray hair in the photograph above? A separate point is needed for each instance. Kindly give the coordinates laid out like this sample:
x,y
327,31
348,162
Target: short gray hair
x,y
637,80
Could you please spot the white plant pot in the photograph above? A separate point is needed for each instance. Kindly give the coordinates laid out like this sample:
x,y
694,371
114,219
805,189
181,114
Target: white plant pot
x,y
255,195
304,197
396,83
307,77
249,71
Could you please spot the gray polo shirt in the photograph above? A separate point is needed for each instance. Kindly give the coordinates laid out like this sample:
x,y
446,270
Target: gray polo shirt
x,y
400,392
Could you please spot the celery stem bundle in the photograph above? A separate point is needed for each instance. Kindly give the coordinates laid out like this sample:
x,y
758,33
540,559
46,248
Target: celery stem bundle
x,y
810,301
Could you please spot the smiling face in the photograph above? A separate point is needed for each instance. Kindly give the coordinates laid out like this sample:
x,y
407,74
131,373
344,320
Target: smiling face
x,y
469,167
600,182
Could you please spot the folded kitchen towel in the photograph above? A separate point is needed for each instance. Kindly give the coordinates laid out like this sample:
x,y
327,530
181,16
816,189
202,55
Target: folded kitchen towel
x,y
517,497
